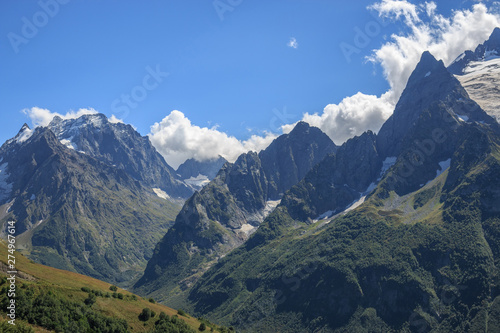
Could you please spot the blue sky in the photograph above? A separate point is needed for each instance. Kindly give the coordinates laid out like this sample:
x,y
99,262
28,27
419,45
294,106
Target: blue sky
x,y
231,68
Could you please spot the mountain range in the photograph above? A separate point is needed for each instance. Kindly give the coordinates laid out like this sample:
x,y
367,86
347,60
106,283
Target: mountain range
x,y
395,231
370,239
225,212
88,196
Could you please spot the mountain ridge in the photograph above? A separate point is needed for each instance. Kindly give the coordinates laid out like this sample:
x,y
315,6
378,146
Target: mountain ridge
x,y
386,264
72,208
227,210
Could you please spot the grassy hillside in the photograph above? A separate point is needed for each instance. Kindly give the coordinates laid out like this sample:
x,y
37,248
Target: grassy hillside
x,y
53,298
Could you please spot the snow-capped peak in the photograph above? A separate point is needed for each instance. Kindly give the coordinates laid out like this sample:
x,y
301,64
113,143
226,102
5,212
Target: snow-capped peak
x,y
24,134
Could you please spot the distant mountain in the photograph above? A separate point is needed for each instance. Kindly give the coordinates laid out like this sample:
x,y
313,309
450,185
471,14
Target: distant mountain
x,y
397,232
225,212
479,71
199,173
76,211
483,52
121,146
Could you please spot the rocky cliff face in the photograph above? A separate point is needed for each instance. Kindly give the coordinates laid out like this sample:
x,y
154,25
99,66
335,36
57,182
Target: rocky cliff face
x,y
75,212
226,211
121,146
337,181
429,83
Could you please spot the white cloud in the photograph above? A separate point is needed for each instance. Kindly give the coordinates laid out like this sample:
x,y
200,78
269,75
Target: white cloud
x,y
293,43
446,38
177,140
351,117
42,117
113,119
397,8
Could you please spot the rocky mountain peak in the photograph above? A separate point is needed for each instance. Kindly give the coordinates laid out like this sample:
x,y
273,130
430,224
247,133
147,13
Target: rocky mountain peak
x,y
120,146
24,134
493,42
300,127
24,127
429,83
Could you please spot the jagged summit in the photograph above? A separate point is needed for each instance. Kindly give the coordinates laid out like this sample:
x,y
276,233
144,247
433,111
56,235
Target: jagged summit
x,y
430,82
24,127
494,41
301,127
121,146
489,49
24,134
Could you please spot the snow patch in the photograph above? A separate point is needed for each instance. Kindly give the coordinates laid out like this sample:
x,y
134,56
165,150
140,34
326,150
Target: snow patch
x,y
386,165
463,118
460,57
247,229
355,204
270,206
198,181
490,54
482,67
427,74
325,215
443,165
370,188
24,135
162,194
68,143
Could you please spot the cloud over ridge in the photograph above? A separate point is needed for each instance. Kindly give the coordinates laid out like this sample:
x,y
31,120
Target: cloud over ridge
x,y
177,140
445,37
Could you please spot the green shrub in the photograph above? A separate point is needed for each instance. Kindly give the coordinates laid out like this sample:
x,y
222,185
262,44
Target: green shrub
x,y
145,314
90,300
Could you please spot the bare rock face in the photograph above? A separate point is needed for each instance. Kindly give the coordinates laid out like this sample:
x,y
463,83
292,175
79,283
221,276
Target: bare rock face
x,y
227,210
121,146
429,83
76,212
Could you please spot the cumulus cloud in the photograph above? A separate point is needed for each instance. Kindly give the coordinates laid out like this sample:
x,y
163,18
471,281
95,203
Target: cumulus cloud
x,y
351,117
42,117
177,140
445,37
113,119
293,43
